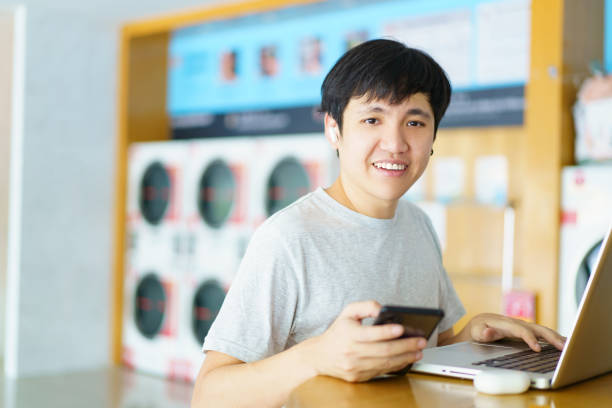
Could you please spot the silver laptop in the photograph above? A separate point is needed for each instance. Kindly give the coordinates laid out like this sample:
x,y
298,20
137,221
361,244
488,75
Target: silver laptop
x,y
587,351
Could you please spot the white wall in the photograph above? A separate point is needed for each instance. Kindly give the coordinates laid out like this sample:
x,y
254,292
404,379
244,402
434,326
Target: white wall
x,y
65,225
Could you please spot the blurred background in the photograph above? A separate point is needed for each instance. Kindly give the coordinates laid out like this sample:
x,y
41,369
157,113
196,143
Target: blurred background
x,y
142,143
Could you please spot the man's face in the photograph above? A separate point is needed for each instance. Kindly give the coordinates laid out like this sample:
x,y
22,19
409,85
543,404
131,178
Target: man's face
x,y
384,148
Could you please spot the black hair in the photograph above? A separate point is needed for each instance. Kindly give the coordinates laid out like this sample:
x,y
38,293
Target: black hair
x,y
387,70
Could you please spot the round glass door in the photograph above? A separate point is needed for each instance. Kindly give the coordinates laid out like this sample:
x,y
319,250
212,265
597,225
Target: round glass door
x,y
150,306
206,305
287,182
216,194
586,268
154,195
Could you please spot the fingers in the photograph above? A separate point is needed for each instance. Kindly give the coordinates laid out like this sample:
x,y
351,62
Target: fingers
x,y
355,312
550,336
371,367
492,327
530,338
389,364
377,333
361,310
490,334
531,333
517,328
391,348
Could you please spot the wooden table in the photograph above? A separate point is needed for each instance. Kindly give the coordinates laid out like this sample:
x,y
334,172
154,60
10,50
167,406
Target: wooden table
x,y
420,390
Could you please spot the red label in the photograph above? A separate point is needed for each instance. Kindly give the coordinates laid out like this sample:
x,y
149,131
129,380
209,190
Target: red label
x,y
520,304
314,174
180,370
569,217
127,357
133,217
169,328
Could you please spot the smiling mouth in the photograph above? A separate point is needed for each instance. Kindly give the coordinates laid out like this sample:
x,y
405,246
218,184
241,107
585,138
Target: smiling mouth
x,y
390,166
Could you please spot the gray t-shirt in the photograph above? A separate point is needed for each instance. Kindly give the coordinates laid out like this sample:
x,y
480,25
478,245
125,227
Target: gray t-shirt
x,y
308,261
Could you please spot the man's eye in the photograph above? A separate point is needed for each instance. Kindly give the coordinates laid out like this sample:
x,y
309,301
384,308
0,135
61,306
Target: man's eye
x,y
415,123
371,121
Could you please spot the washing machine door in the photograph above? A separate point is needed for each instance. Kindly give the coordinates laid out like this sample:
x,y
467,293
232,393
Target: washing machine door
x,y
206,306
287,182
585,270
150,305
217,191
154,196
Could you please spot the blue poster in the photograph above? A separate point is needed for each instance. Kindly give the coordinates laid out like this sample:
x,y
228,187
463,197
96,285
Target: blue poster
x,y
277,61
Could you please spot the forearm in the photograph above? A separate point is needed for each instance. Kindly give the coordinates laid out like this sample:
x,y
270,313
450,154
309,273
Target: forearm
x,y
265,383
463,335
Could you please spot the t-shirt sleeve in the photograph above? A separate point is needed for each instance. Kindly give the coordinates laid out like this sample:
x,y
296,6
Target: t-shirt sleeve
x,y
450,303
257,315
449,300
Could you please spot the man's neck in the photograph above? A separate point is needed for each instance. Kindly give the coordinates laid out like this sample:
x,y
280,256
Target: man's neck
x,y
361,201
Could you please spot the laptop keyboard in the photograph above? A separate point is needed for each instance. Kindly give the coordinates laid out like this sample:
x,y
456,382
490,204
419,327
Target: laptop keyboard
x,y
543,362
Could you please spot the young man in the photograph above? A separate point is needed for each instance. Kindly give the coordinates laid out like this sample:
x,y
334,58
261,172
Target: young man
x,y
314,270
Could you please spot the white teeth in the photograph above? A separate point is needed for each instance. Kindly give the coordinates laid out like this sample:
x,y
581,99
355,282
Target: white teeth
x,y
390,166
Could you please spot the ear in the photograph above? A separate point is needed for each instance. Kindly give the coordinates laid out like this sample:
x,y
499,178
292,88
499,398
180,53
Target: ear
x,y
332,133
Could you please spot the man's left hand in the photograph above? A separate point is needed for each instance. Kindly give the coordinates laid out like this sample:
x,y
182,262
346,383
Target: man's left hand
x,y
488,327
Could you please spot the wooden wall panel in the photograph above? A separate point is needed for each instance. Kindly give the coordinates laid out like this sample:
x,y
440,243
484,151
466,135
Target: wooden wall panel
x,y
566,36
470,143
474,240
147,119
142,118
474,232
479,295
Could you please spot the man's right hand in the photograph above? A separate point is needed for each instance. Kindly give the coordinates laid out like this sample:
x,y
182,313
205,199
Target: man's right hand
x,y
356,353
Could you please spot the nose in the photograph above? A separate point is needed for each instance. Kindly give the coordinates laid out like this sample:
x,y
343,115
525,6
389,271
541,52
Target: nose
x,y
394,140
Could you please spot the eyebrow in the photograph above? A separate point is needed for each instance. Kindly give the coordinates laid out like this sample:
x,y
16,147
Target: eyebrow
x,y
410,112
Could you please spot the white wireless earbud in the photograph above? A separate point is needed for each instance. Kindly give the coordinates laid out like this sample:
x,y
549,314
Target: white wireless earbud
x,y
333,135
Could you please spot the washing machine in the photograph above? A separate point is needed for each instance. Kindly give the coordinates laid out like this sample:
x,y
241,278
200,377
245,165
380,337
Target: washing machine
x,y
288,167
586,205
154,201
152,270
151,309
217,231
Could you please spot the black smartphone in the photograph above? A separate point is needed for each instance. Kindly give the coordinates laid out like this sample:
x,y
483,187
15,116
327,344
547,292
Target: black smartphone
x,y
417,322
